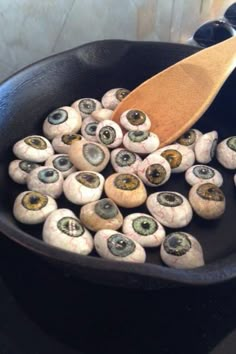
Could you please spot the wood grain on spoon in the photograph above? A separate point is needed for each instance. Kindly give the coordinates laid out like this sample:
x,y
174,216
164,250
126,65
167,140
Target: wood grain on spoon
x,y
178,96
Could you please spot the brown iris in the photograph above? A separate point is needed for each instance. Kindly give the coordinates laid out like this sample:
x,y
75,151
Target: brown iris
x,y
88,179
174,157
68,139
136,117
187,138
126,182
121,94
156,173
36,142
210,191
34,201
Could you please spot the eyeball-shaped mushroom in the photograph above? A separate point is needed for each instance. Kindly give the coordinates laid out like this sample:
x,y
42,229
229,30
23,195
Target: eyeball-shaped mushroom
x,y
154,170
102,214
64,120
125,189
134,119
207,200
205,147
109,134
46,180
113,97
18,170
141,142
144,229
33,148
83,187
89,156
189,138
33,207
86,106
118,247
125,161
61,143
226,153
102,114
203,173
88,128
235,180
179,157
61,162
64,230
171,209
181,250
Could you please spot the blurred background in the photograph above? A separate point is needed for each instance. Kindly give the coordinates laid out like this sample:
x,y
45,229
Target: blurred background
x,y
31,30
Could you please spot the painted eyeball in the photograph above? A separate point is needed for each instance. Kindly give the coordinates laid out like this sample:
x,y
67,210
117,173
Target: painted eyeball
x,y
109,134
226,153
64,120
62,143
235,180
88,129
203,173
83,187
113,97
189,138
61,163
102,114
179,157
134,119
86,106
205,147
171,209
33,207
125,189
46,180
64,230
181,250
18,170
33,148
118,247
154,170
89,156
102,214
207,200
144,229
141,142
125,161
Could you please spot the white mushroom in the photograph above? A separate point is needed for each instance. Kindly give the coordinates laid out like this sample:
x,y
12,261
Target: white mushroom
x,y
141,142
205,147
226,153
62,163
33,148
86,106
134,119
113,97
203,173
64,230
33,207
61,143
109,134
189,138
88,128
115,246
125,161
102,114
18,170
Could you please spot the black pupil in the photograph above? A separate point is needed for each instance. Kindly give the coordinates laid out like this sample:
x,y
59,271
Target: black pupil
x,y
120,244
145,225
155,173
107,206
187,136
87,105
49,173
126,157
174,242
62,162
93,128
106,133
89,178
56,116
135,115
36,141
138,133
170,198
204,171
126,180
170,158
211,190
34,199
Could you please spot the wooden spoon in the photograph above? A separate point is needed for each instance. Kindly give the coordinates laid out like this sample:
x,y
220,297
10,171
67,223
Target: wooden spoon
x,y
178,96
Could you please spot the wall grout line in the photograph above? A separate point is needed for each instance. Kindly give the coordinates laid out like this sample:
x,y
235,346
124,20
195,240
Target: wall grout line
x,y
62,27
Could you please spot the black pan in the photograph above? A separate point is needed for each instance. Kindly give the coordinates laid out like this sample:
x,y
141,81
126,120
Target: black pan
x,y
89,71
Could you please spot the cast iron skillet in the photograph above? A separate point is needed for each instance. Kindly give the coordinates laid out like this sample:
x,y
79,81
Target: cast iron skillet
x,y
88,71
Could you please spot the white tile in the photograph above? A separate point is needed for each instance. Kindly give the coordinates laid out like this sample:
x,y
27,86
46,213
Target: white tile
x,y
29,28
91,20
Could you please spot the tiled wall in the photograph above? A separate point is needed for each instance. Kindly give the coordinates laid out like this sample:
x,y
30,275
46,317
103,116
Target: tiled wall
x,y
31,30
